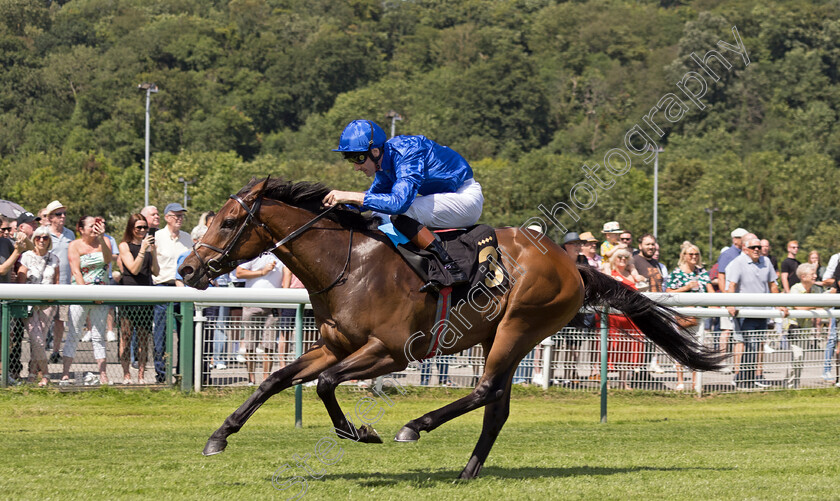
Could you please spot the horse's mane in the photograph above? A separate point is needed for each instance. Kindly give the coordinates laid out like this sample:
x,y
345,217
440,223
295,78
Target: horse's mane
x,y
307,195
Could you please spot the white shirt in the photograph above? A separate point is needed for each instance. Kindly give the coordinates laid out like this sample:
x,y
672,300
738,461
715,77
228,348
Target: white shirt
x,y
274,278
40,269
168,250
832,265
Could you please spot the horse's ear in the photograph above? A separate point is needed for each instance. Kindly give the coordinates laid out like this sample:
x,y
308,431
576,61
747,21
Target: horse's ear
x,y
261,187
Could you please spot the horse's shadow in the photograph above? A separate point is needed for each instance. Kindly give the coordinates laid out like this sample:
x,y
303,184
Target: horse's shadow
x,y
431,478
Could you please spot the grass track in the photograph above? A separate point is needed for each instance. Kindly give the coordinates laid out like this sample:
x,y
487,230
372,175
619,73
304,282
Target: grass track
x,y
140,444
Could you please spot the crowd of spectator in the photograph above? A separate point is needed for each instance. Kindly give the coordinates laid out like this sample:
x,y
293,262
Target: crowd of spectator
x,y
42,250
746,266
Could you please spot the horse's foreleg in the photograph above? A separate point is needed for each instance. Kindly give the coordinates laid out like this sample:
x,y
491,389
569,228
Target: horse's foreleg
x,y
495,416
370,361
306,368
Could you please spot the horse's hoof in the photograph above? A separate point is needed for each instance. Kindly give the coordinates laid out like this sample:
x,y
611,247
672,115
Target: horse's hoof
x,y
470,471
214,446
406,434
368,435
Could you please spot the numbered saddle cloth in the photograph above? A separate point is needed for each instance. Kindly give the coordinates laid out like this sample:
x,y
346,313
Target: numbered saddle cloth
x,y
475,249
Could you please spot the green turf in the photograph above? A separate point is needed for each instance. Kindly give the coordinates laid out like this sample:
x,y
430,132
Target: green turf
x,y
140,444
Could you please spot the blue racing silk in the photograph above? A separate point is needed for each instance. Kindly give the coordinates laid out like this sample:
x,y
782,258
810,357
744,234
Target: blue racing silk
x,y
411,166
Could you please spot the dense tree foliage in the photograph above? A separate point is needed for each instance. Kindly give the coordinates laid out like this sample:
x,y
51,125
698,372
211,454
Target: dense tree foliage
x,y
530,91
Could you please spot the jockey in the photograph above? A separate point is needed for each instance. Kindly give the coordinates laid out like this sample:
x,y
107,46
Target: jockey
x,y
413,176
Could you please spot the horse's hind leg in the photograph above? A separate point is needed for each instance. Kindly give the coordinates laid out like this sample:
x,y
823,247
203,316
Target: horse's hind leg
x,y
306,368
370,361
490,389
495,416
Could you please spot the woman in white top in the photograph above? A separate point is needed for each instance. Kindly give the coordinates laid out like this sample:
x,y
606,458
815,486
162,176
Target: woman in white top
x,y
39,266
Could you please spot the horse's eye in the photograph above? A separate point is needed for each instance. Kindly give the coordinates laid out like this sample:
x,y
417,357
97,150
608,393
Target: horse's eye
x,y
229,223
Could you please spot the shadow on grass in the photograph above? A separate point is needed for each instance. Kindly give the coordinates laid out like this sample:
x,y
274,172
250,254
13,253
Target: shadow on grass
x,y
431,478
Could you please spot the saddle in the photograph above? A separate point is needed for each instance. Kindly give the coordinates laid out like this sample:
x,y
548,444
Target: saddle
x,y
475,249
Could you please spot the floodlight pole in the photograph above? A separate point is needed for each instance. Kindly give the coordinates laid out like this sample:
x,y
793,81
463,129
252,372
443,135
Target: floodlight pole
x,y
150,88
394,116
186,183
656,151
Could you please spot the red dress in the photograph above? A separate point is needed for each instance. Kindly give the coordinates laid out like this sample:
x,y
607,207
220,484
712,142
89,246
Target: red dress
x,y
625,340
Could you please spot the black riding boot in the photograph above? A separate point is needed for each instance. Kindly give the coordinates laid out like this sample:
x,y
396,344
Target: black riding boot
x,y
420,236
455,271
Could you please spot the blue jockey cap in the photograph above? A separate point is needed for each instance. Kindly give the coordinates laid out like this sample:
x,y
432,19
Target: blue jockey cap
x,y
361,135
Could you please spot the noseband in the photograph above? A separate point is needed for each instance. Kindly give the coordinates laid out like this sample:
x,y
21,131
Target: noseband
x,y
217,264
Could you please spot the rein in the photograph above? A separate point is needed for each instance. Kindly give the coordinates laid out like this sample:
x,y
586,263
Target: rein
x,y
217,264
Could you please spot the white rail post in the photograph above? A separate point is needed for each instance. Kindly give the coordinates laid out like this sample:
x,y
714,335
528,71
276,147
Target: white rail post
x,y
701,336
198,346
547,344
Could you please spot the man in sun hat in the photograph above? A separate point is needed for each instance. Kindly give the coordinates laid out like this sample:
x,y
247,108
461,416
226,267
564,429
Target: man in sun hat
x,y
61,237
611,232
589,249
170,242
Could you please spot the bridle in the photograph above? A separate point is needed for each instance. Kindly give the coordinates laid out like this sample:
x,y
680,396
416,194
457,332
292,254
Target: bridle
x,y
217,264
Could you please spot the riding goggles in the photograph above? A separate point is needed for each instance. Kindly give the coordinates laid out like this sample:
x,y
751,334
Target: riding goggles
x,y
356,157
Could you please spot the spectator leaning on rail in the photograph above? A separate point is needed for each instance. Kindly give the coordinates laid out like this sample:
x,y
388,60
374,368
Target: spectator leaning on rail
x,y
139,262
417,181
170,243
750,272
799,330
39,266
61,238
689,276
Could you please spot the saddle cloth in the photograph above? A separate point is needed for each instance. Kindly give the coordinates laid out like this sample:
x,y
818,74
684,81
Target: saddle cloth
x,y
475,249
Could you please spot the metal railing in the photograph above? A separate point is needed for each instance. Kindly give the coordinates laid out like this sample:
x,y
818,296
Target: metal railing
x,y
220,349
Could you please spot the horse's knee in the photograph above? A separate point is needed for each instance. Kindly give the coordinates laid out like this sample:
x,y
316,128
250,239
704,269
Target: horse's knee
x,y
326,386
490,391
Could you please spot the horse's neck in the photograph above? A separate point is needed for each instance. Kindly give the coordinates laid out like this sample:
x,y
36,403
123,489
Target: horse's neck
x,y
317,257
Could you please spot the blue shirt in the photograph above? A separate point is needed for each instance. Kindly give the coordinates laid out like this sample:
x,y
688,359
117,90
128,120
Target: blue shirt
x,y
725,258
411,166
749,275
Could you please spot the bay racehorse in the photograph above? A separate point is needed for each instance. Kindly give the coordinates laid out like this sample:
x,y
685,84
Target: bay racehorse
x,y
367,307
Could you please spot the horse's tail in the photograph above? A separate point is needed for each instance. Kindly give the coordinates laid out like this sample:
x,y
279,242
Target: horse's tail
x,y
657,322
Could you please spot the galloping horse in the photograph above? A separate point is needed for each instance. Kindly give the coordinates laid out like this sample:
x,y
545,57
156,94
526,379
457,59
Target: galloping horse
x,y
367,306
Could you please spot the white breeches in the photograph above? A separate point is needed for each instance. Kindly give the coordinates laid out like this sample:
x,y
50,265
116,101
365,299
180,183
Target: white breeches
x,y
449,210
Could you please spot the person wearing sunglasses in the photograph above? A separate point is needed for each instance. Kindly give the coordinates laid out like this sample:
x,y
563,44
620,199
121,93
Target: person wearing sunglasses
x,y
138,262
39,266
56,214
417,182
750,272
689,276
10,250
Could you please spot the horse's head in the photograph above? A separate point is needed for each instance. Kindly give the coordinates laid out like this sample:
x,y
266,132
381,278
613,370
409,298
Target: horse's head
x,y
235,235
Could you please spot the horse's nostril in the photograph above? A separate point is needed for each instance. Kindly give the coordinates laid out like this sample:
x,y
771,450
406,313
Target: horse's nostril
x,y
186,270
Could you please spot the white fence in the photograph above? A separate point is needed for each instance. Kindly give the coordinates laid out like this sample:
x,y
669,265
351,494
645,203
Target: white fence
x,y
782,357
